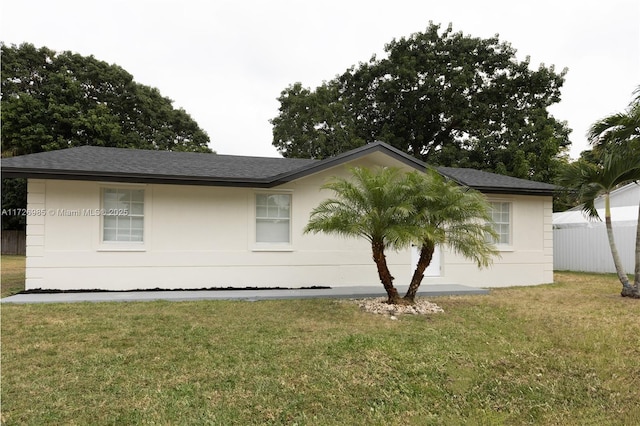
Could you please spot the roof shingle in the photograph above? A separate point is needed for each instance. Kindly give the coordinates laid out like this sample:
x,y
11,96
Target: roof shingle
x,y
492,182
93,162
186,168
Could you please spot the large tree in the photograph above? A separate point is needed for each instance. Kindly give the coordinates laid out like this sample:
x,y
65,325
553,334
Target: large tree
x,y
317,121
391,210
53,100
446,98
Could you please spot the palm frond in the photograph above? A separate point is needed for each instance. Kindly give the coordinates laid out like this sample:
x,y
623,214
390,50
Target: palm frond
x,y
369,204
450,214
618,131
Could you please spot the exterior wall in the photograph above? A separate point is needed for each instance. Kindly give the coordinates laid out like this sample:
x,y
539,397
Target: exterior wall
x,y
36,202
203,237
527,260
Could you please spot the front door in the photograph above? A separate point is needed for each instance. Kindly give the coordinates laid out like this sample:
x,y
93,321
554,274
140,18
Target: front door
x,y
434,268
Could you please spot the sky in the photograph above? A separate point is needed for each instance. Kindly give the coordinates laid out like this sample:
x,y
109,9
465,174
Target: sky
x,y
226,62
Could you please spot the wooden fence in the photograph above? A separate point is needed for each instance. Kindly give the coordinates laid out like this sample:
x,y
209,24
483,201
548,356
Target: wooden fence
x,y
14,242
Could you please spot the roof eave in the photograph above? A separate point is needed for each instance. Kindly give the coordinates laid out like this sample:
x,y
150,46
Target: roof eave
x,y
132,178
513,191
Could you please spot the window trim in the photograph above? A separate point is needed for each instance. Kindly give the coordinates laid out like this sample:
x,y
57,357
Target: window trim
x,y
128,246
257,246
504,246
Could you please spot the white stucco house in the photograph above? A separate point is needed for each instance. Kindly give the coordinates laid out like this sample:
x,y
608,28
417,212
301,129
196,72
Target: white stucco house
x,y
121,219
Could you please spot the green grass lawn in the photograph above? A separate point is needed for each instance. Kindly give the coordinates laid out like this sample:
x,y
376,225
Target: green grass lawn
x,y
12,274
564,354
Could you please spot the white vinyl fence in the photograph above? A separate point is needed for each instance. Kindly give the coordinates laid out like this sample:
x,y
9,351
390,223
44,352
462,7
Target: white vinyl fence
x,y
586,248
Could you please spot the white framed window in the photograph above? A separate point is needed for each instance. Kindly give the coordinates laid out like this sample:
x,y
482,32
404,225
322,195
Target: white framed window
x,y
273,218
502,218
122,215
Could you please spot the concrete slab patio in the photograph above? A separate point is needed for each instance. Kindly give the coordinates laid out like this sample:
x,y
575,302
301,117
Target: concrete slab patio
x,y
240,294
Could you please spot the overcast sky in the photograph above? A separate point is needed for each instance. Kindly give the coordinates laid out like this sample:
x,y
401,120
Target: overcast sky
x,y
226,62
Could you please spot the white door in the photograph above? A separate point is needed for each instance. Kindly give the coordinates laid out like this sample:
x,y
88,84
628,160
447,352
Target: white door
x,y
433,270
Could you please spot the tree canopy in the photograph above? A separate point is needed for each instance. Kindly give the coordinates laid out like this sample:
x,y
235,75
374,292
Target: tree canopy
x,y
53,100
444,97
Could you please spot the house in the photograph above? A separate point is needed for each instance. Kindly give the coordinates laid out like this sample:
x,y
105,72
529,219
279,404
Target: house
x,y
581,244
121,219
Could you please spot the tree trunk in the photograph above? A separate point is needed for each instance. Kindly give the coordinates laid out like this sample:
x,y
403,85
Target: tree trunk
x,y
627,289
426,254
383,272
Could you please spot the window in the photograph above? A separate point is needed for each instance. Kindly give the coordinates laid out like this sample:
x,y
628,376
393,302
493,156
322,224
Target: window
x,y
501,217
273,218
123,215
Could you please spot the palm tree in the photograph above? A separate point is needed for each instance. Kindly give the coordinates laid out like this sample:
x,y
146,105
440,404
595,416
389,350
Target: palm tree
x,y
619,135
392,209
590,181
448,214
373,206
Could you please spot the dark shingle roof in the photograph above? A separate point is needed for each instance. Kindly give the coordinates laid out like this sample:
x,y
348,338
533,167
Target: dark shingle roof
x,y
91,163
186,168
495,183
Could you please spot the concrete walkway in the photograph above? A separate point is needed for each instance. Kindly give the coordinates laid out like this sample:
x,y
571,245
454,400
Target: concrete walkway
x,y
248,295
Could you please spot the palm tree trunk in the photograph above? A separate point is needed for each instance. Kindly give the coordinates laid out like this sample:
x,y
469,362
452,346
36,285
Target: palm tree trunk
x,y
383,272
426,254
627,290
